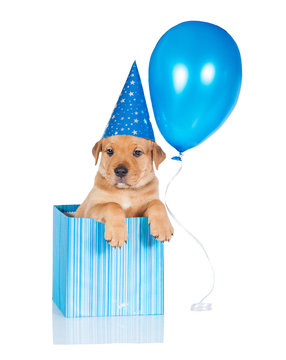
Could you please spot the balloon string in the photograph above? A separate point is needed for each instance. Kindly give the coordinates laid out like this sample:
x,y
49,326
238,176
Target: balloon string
x,y
200,306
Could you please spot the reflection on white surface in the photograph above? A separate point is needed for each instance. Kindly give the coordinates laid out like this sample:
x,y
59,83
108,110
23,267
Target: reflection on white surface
x,y
180,77
107,330
207,73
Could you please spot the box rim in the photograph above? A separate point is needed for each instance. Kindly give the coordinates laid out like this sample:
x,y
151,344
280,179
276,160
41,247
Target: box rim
x,y
57,207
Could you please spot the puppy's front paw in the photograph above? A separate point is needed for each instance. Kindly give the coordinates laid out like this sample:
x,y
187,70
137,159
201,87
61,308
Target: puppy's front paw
x,y
116,234
161,228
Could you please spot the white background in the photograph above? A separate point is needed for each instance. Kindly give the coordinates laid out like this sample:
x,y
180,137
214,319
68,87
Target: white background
x,y
62,67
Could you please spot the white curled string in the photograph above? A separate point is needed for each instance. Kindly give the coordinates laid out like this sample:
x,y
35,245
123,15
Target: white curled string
x,y
200,306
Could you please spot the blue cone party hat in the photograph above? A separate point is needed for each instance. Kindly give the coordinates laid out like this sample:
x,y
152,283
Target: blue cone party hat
x,y
130,115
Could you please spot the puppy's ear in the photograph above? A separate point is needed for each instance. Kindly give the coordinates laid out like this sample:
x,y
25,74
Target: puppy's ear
x,y
96,150
158,155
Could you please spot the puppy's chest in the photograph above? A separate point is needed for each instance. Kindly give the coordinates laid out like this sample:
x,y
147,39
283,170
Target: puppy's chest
x,y
125,203
132,206
133,203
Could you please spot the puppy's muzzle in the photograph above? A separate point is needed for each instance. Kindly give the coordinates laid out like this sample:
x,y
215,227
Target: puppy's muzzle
x,y
121,171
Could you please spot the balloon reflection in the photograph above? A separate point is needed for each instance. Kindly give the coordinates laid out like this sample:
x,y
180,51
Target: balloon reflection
x,y
207,73
180,77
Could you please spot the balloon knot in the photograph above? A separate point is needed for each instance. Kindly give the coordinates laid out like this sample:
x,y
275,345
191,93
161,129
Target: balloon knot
x,y
178,158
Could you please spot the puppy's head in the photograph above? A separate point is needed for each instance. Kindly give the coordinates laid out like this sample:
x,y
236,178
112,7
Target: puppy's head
x,y
127,161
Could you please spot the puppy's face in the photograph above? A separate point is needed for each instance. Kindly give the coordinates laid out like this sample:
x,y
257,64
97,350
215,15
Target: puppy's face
x,y
127,161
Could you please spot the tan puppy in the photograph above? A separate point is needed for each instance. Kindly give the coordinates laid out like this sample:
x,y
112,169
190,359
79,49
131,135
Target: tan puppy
x,y
126,186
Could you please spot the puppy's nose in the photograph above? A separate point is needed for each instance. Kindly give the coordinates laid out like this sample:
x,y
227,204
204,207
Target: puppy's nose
x,y
121,171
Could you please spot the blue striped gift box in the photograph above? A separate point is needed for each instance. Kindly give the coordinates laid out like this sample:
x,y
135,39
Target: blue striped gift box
x,y
91,278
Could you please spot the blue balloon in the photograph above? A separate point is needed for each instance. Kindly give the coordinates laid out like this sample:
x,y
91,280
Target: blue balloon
x,y
194,79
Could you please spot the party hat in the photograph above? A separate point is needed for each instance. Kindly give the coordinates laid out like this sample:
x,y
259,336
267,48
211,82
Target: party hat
x,y
130,115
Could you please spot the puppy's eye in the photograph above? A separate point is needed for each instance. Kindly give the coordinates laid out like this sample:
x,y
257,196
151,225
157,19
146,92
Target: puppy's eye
x,y
109,152
137,153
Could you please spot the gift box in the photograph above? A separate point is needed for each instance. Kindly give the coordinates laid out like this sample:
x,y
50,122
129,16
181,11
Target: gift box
x,y
91,278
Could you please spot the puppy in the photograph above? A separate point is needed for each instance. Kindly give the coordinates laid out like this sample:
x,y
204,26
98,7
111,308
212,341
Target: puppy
x,y
126,186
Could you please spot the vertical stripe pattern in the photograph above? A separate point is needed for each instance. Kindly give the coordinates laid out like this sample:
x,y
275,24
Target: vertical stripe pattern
x,y
91,278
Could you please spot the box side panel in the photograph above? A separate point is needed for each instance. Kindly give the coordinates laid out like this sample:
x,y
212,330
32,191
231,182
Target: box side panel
x,y
56,256
74,263
133,276
101,259
60,231
91,278
87,275
136,273
151,271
